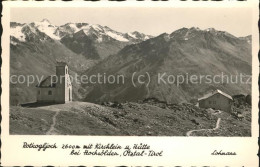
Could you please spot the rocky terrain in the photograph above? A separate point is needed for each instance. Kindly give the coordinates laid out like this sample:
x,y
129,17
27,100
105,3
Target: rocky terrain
x,y
150,117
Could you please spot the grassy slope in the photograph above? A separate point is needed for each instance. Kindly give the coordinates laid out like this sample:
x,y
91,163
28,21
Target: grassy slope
x,y
136,119
30,121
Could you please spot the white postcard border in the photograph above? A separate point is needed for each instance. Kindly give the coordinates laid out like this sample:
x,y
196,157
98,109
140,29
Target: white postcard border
x,y
183,151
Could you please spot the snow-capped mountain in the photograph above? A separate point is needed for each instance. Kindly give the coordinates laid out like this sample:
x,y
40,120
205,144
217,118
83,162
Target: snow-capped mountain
x,y
58,32
93,41
189,33
46,27
16,31
101,32
90,48
27,33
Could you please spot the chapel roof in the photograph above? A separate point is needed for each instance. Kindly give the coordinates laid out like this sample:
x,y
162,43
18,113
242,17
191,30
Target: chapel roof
x,y
61,63
48,82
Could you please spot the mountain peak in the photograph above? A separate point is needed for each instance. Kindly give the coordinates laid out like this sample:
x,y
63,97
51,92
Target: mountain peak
x,y
97,27
195,28
45,21
135,32
211,30
15,24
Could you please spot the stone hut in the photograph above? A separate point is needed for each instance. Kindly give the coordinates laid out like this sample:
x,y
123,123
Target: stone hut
x,y
217,100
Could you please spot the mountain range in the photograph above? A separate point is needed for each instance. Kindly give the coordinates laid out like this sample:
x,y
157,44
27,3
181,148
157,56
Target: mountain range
x,y
183,52
90,49
35,47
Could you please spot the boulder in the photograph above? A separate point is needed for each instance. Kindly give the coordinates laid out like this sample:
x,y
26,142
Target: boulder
x,y
248,99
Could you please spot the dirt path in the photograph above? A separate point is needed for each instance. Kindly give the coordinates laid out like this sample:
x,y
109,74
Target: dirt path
x,y
52,130
217,126
60,107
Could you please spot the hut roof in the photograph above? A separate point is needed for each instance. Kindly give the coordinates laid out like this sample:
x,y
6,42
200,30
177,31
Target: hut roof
x,y
213,93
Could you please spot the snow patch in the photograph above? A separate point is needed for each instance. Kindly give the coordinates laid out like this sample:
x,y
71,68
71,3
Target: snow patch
x,y
131,35
186,35
17,33
94,26
13,43
143,36
97,27
86,31
103,31
47,28
146,37
99,39
210,29
116,36
74,27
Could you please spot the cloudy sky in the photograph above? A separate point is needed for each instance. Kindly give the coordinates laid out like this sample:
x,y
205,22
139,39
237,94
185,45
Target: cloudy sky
x,y
153,21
